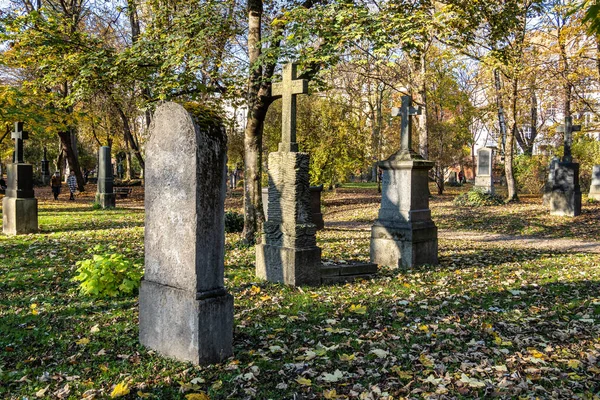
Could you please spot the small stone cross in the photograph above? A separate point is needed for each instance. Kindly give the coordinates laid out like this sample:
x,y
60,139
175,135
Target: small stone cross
x,y
287,90
568,128
405,112
19,135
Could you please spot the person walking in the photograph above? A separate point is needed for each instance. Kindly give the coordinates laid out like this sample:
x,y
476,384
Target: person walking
x,y
55,184
72,183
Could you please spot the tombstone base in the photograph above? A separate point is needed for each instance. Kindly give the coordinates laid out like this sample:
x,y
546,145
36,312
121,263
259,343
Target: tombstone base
x,y
289,266
484,183
594,192
106,200
565,199
332,273
19,216
175,324
404,246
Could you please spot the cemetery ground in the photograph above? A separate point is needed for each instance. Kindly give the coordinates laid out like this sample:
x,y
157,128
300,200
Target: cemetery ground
x,y
512,310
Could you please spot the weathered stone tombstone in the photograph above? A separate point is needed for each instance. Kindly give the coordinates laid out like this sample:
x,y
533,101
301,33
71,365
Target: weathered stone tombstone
x,y
105,195
549,185
484,181
404,235
595,185
45,169
315,205
19,206
185,310
566,192
288,252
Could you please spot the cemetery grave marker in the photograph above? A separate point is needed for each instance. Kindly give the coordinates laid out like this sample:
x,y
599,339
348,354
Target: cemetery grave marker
x,y
484,180
566,192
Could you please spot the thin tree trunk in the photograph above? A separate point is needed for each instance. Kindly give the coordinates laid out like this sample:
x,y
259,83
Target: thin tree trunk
x,y
423,128
67,148
253,212
127,134
511,182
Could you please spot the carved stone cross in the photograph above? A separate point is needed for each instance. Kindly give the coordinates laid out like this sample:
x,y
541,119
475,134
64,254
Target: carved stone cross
x,y
568,128
19,135
287,90
405,112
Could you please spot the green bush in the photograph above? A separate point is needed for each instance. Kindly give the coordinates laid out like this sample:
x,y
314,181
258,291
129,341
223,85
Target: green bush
x,y
234,222
478,198
531,173
108,275
96,206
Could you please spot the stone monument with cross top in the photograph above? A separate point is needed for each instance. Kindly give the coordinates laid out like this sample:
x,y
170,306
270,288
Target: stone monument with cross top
x,y
404,235
288,252
565,197
19,206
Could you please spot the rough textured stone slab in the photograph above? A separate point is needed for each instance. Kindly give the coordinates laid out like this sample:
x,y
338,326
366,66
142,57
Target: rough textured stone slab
x,y
293,267
595,185
19,216
404,234
566,193
185,311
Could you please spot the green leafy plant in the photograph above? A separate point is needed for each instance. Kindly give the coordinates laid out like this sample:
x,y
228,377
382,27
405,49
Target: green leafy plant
x,y
234,222
478,198
108,274
96,206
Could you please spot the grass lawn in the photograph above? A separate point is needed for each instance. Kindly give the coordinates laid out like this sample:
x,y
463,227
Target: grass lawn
x,y
491,320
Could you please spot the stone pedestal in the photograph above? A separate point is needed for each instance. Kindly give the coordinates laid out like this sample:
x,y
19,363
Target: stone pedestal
x,y
595,185
549,185
288,252
315,206
19,207
404,235
105,195
484,183
566,193
185,310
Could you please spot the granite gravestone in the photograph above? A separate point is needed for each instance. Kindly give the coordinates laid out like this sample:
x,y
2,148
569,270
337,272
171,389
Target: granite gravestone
x,y
185,310
288,252
484,181
566,192
315,205
549,185
404,235
105,195
595,185
45,168
19,206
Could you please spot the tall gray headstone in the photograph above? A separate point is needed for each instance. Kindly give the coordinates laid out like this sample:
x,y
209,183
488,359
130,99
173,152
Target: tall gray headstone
x,y
404,235
595,185
185,311
565,199
484,179
105,195
550,181
19,206
288,252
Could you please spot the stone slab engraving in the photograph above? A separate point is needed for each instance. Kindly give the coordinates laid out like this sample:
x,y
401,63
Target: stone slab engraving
x,y
484,180
185,311
404,235
315,205
19,206
105,195
595,185
288,252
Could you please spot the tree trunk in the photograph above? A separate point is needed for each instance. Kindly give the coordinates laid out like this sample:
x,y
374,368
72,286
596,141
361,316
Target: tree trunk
x,y
423,128
253,211
511,182
128,163
128,136
67,148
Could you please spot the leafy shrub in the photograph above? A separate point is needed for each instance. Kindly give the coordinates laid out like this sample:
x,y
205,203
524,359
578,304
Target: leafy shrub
x,y
108,275
531,173
96,206
478,198
234,222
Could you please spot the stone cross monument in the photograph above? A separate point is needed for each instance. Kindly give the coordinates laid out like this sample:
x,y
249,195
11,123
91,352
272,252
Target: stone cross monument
x,y
565,199
288,252
404,235
287,90
105,195
185,310
19,206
